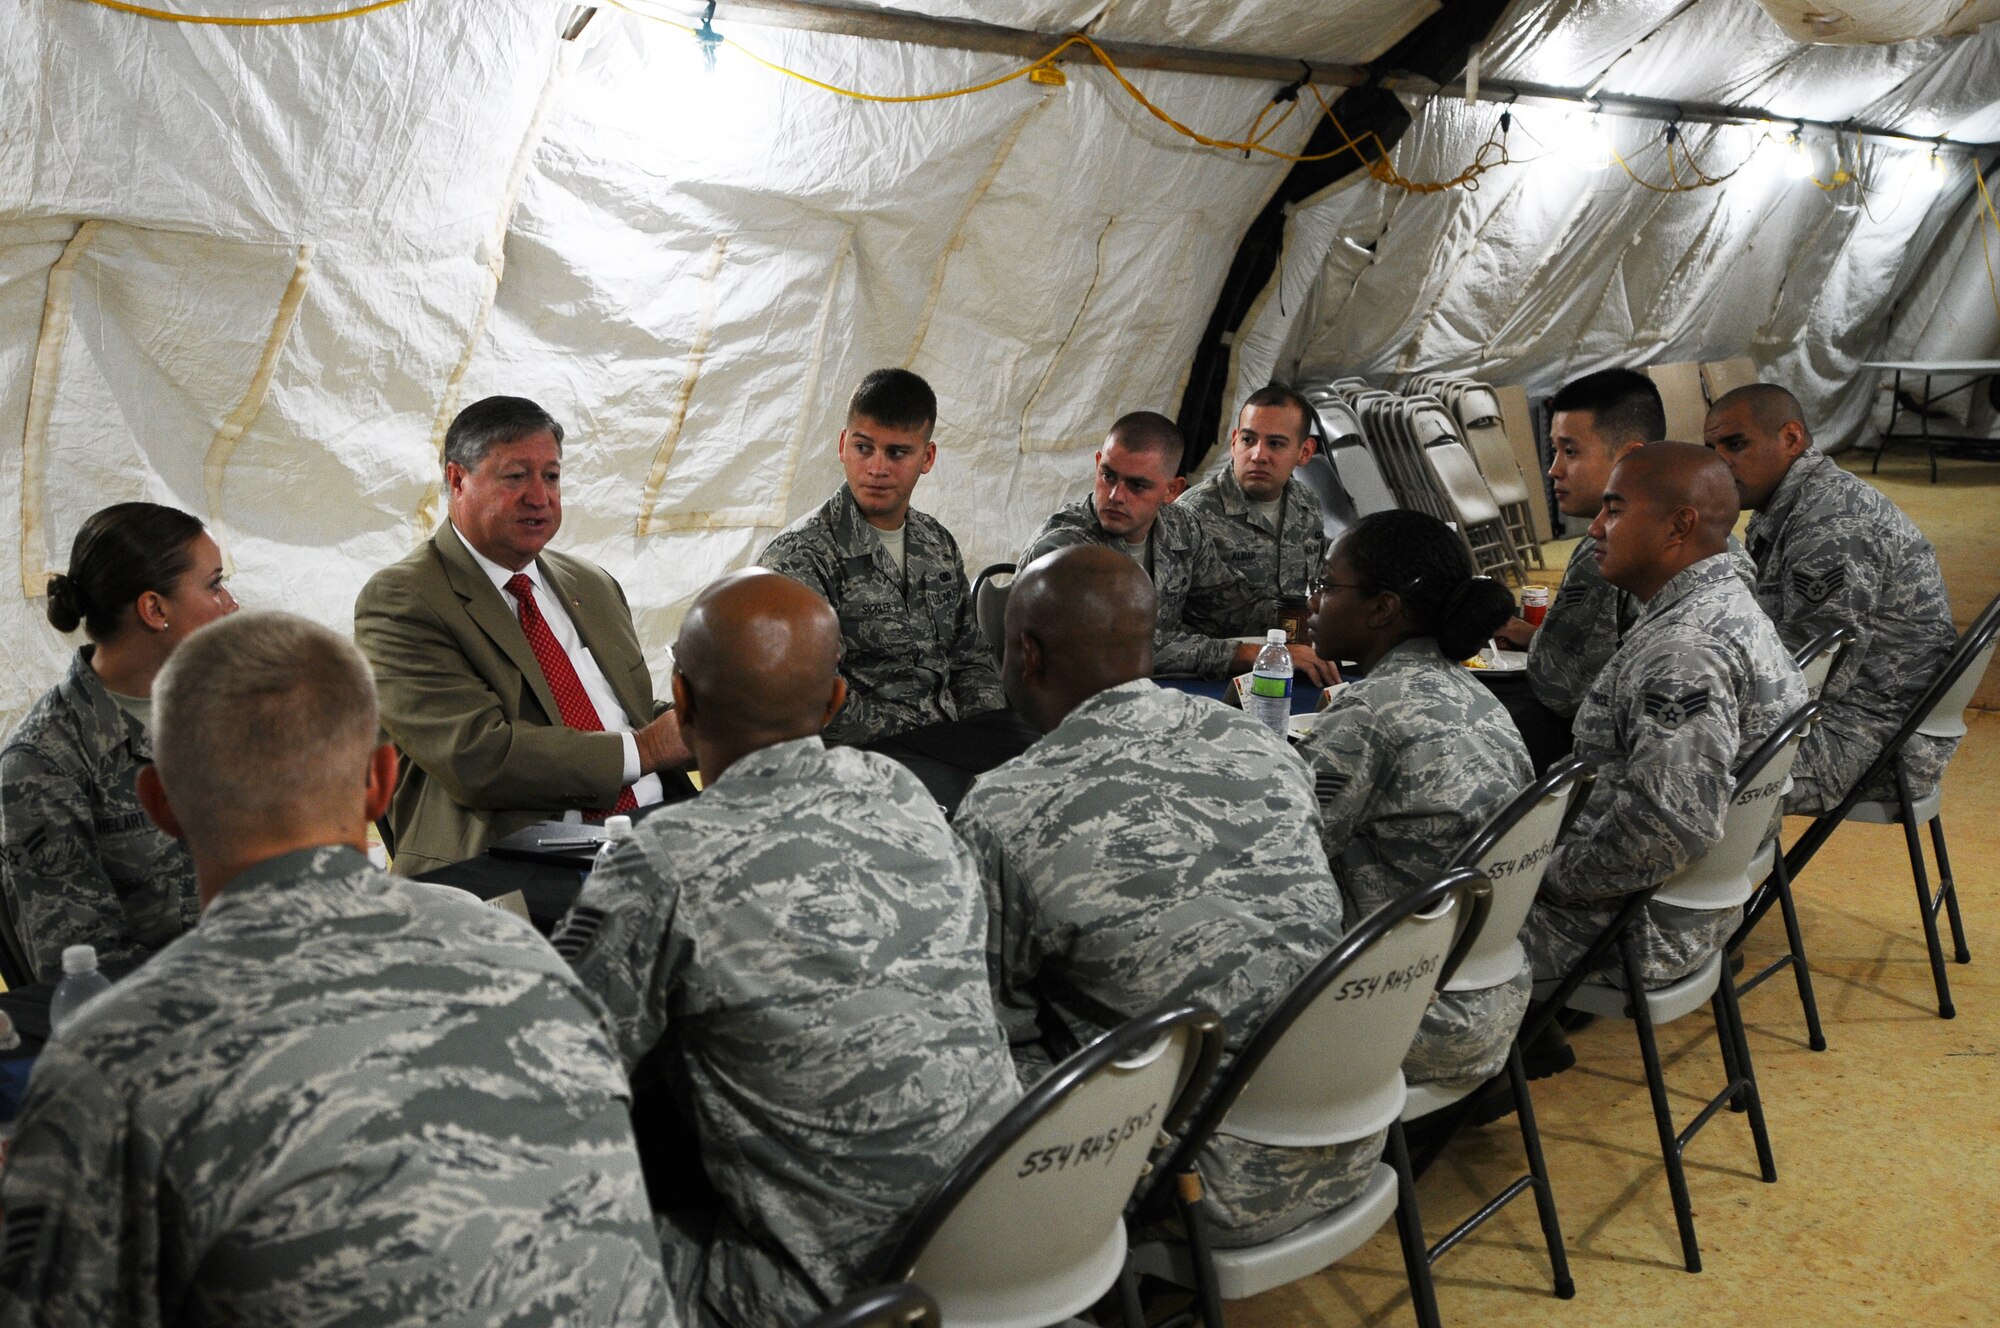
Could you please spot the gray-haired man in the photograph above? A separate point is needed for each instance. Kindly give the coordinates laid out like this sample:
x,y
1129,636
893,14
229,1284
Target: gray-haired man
x,y
341,1098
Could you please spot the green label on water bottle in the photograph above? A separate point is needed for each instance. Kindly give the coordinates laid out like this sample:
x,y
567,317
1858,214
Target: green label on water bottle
x,y
1280,688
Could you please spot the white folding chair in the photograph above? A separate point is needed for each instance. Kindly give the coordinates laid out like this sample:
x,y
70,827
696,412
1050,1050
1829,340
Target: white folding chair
x,y
1718,881
1720,376
1358,1009
989,605
1478,410
1028,1228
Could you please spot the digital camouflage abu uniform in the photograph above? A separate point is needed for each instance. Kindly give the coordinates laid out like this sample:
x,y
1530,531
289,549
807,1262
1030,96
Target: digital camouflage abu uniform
x,y
1157,846
911,648
79,861
1409,763
1700,681
1201,598
807,937
1833,552
1274,558
343,1098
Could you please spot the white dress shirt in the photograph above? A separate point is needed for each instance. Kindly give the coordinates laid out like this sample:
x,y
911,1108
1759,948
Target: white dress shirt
x,y
646,790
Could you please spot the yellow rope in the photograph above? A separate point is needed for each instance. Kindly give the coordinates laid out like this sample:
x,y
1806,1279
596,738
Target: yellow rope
x,y
232,21
1993,215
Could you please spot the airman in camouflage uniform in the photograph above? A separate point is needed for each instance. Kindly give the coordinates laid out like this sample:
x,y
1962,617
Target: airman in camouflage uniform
x,y
1158,846
1408,763
1831,551
806,935
1202,600
343,1098
913,653
79,862
1699,682
1274,557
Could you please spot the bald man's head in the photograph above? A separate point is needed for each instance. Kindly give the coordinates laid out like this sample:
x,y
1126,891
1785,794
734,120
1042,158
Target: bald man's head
x,y
757,660
1758,431
1667,507
1078,621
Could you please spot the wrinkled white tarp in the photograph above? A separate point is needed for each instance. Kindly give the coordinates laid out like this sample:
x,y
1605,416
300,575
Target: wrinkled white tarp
x,y
1857,22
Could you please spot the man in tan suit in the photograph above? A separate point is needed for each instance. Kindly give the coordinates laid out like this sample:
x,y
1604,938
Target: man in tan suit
x,y
511,678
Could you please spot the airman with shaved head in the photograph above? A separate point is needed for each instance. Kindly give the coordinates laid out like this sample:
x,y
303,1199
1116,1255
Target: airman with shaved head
x,y
1139,810
805,941
1832,551
1700,679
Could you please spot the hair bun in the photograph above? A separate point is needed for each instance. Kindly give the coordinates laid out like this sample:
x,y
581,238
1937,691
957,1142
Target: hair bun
x,y
68,605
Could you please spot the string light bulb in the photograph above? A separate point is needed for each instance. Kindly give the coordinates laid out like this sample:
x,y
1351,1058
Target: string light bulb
x,y
708,37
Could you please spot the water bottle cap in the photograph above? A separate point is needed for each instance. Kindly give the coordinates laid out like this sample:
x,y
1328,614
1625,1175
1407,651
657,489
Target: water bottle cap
x,y
1276,636
617,827
79,959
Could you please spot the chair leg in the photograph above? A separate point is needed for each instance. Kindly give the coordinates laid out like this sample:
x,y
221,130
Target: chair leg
x,y
1801,971
1946,1010
1545,1195
1767,1165
1410,1230
1949,891
1129,1306
1208,1299
1727,1046
1663,1118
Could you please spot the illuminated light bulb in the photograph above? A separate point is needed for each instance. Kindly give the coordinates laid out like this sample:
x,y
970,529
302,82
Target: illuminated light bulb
x,y
1798,160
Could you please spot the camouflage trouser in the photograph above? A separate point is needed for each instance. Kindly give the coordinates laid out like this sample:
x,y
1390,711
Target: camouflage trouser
x,y
1840,749
1465,1034
1673,942
1252,1193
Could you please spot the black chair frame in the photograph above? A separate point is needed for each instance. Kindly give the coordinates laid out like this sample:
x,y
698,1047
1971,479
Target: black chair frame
x,y
1128,1039
903,1305
1568,771
1176,1189
1982,631
1741,1089
979,583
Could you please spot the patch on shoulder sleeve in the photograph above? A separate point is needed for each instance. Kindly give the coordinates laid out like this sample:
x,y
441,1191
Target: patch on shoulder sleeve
x,y
577,933
22,1235
1818,589
1328,785
1672,709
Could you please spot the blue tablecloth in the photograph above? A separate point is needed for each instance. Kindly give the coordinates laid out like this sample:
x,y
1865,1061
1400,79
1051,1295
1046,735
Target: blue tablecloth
x,y
1305,698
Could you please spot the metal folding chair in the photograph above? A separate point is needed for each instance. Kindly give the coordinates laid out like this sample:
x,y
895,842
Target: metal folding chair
x,y
1028,1228
989,604
1358,1009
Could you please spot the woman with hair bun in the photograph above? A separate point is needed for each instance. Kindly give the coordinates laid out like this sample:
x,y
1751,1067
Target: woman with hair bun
x,y
79,862
1413,758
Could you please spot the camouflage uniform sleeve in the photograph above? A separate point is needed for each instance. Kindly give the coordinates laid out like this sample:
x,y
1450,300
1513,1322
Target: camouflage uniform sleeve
x,y
1012,954
1663,805
975,683
616,938
55,884
1349,761
1052,536
1831,579
80,1242
1220,603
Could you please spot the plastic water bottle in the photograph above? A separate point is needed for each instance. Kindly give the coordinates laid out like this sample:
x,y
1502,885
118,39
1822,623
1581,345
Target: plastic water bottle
x,y
81,983
1270,695
617,829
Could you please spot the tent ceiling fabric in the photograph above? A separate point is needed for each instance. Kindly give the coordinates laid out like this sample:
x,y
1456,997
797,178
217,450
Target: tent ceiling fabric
x,y
252,273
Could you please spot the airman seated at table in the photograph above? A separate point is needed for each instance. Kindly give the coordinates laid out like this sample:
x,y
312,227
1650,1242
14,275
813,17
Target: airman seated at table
x,y
511,676
1411,759
1265,524
912,652
344,1097
804,941
1832,551
1152,846
79,862
1700,680
1203,602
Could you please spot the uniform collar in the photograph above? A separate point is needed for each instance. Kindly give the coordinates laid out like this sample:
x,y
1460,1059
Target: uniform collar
x,y
1711,570
1241,505
90,695
1170,528
1411,656
793,757
857,539
1803,471
1109,699
499,575
304,866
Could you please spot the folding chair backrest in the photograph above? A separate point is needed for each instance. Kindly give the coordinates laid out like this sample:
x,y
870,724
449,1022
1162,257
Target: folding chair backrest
x,y
1028,1228
989,605
1357,1010
1336,506
1720,878
904,1305
1946,719
1519,420
1681,394
1362,478
1818,657
1465,490
1512,851
1719,376
1337,421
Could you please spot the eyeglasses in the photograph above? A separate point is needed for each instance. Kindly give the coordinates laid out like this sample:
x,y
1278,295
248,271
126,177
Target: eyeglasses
x,y
1319,585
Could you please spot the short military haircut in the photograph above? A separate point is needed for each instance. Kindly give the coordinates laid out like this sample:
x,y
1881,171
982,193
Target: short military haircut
x,y
895,399
1624,406
1770,405
491,421
1277,394
262,723
1150,431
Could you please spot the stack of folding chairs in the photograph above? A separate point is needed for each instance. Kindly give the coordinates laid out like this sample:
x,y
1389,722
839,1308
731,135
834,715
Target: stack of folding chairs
x,y
1477,408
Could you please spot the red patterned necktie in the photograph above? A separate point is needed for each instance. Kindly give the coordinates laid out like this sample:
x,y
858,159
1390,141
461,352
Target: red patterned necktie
x,y
571,699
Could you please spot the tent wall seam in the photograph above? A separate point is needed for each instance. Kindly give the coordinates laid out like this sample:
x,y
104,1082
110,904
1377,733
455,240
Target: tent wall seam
x,y
697,355
56,309
216,462
1055,358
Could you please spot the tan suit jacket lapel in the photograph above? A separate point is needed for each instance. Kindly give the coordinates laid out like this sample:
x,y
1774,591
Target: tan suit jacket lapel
x,y
487,608
598,629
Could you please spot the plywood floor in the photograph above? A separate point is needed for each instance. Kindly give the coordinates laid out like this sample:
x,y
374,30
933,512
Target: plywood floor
x,y
1888,1143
